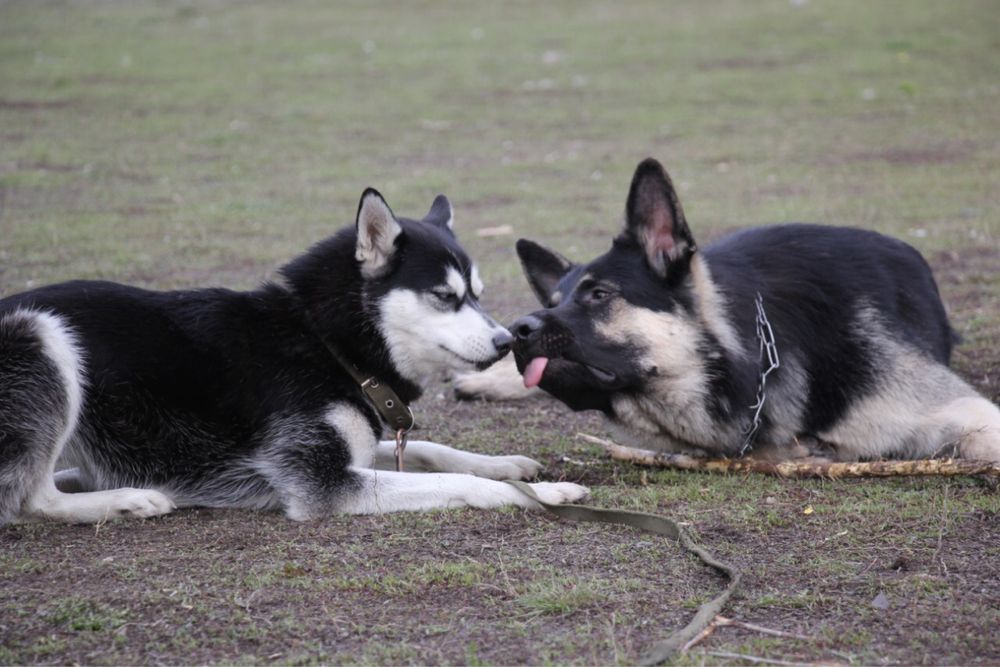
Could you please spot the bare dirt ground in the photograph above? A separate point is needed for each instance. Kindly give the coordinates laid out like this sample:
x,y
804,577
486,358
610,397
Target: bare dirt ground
x,y
914,581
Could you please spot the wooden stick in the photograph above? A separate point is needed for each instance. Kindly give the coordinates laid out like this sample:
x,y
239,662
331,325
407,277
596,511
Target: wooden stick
x,y
721,621
797,469
709,629
758,660
753,627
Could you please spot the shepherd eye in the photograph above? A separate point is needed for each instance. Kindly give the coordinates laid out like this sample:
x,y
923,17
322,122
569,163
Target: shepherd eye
x,y
590,292
599,294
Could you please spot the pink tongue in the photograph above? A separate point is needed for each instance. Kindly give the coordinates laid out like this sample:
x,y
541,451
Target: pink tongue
x,y
533,371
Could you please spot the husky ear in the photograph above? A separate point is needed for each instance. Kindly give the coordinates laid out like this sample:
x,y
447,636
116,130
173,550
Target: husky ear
x,y
441,213
377,233
544,269
655,220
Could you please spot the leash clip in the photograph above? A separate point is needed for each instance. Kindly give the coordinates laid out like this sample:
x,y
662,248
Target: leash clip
x,y
401,436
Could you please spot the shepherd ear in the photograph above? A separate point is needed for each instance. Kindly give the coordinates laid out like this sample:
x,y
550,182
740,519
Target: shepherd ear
x,y
377,234
544,269
655,220
441,213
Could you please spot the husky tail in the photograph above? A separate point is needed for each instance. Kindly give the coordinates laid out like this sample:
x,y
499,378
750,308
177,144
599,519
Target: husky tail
x,y
39,404
41,396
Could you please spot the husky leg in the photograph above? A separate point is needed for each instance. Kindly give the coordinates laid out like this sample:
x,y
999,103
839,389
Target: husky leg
x,y
500,382
430,456
378,492
41,394
96,506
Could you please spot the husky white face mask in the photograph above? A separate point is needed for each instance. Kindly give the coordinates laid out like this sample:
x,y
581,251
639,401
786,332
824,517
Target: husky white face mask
x,y
440,329
426,292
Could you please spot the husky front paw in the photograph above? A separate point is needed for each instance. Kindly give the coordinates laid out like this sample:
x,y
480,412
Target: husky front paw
x,y
426,455
559,493
138,503
505,467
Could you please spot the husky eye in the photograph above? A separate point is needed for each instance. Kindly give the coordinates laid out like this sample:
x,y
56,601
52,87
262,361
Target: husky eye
x,y
445,296
599,294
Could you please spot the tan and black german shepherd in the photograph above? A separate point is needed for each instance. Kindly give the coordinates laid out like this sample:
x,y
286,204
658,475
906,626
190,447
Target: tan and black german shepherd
x,y
769,337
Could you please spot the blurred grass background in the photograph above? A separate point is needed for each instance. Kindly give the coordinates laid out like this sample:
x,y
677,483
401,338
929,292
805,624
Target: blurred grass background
x,y
173,143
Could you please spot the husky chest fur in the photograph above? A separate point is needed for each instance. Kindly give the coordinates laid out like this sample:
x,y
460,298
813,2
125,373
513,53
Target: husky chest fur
x,y
152,400
662,336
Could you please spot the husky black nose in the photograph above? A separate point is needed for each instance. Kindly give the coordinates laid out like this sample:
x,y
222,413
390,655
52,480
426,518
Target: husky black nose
x,y
526,327
502,342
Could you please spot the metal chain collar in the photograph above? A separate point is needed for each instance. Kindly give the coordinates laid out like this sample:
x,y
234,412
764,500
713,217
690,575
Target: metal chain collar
x,y
768,348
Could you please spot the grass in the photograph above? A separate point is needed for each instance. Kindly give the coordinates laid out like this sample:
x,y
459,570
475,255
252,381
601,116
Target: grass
x,y
82,615
174,144
560,596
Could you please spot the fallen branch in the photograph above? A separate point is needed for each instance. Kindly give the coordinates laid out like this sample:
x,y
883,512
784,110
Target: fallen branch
x,y
721,621
758,660
797,469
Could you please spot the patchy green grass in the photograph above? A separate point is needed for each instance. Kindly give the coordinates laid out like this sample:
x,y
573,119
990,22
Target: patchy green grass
x,y
82,615
172,144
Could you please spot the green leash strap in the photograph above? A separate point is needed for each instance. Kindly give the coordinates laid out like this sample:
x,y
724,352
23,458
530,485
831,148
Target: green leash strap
x,y
658,525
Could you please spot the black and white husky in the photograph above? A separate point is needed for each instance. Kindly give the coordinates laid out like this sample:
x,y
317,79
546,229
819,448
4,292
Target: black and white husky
x,y
748,344
156,400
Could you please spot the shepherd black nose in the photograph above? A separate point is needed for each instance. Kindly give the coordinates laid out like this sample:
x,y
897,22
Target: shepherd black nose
x,y
502,342
526,327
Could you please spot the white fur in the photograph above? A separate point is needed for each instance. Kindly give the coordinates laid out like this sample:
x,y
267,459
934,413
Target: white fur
x,y
424,340
390,491
62,348
377,232
455,281
475,282
96,506
356,432
430,456
499,382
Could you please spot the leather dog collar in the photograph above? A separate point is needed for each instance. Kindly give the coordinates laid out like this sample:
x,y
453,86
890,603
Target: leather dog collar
x,y
389,405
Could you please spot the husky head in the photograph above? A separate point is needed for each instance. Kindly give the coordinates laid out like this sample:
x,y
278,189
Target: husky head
x,y
398,296
620,325
424,291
